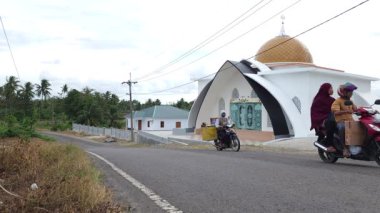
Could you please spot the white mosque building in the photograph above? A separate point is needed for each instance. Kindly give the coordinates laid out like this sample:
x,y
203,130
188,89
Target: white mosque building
x,y
274,92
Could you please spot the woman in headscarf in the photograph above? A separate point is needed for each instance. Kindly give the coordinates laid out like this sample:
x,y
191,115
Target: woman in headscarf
x,y
320,110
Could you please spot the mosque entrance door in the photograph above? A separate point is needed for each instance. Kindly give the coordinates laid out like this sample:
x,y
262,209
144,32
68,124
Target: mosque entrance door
x,y
246,115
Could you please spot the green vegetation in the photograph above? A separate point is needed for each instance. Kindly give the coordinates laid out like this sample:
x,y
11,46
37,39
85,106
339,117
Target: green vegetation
x,y
87,107
63,173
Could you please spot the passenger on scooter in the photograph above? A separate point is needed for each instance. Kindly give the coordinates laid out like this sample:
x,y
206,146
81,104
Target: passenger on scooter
x,y
221,124
319,112
343,113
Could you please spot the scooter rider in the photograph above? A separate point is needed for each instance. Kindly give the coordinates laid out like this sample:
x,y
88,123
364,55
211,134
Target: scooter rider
x,y
221,124
343,113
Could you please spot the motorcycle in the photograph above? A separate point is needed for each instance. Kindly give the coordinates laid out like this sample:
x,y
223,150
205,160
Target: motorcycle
x,y
369,120
231,140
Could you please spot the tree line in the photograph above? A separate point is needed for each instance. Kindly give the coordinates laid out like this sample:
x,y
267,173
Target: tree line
x,y
88,106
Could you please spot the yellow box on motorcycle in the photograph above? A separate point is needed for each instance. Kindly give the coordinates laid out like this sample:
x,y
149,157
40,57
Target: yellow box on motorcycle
x,y
208,133
354,133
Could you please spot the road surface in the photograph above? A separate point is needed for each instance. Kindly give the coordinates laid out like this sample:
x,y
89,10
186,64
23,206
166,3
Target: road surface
x,y
246,181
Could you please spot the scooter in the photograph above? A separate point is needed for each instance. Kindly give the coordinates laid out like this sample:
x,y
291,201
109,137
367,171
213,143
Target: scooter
x,y
231,140
369,119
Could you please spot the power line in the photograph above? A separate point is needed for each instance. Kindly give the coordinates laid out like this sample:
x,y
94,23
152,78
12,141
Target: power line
x,y
211,38
9,46
310,29
228,43
291,38
160,91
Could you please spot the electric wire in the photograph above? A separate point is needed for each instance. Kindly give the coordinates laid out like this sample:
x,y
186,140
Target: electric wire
x,y
211,38
9,47
226,44
308,30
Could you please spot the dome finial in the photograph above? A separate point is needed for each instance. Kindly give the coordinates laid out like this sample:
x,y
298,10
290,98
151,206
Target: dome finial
x,y
282,32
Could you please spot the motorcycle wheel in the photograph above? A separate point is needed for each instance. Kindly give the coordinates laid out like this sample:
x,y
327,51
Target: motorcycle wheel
x,y
235,143
327,157
218,145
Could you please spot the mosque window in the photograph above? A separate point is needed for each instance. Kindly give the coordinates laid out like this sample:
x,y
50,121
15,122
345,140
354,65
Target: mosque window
x,y
297,102
235,94
222,105
253,94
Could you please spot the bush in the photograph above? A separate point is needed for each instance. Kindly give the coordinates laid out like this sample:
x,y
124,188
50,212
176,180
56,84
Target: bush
x,y
61,123
12,128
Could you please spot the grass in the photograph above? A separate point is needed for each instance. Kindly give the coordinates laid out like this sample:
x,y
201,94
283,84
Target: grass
x,y
66,179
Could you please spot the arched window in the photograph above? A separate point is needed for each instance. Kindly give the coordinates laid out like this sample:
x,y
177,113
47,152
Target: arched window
x,y
253,94
235,94
222,105
297,102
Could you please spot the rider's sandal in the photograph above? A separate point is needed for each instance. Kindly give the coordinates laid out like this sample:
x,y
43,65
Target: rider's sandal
x,y
346,153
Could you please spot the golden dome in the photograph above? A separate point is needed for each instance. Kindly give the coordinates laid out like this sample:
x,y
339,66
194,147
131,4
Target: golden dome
x,y
289,51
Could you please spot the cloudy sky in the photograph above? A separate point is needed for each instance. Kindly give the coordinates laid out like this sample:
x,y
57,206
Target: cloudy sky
x,y
97,43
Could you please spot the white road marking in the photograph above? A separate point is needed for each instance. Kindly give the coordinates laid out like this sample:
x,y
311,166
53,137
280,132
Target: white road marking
x,y
165,205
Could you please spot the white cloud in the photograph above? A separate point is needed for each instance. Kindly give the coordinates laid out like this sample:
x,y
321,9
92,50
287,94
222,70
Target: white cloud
x,y
97,44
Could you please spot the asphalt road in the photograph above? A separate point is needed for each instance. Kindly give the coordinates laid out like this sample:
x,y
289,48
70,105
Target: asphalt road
x,y
246,181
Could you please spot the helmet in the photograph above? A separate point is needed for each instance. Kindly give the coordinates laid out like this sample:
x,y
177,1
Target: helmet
x,y
349,87
223,114
344,88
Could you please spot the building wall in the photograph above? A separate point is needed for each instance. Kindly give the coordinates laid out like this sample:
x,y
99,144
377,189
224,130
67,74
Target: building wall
x,y
155,124
300,84
305,85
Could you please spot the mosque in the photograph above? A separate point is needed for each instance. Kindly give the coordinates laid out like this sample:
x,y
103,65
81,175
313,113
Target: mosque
x,y
273,92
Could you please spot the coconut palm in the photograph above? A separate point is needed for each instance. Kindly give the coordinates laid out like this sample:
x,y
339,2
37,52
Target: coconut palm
x,y
10,90
65,88
26,95
26,91
43,89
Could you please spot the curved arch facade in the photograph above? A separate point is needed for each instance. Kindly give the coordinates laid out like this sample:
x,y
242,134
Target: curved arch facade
x,y
279,107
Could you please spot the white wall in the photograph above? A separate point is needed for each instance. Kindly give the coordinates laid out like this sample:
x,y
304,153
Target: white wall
x,y
302,82
169,124
305,83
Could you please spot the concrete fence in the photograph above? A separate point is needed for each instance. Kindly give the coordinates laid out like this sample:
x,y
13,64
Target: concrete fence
x,y
91,130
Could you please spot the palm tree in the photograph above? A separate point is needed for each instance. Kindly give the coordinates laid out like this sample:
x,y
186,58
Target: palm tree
x,y
26,95
43,89
87,91
64,89
2,93
9,90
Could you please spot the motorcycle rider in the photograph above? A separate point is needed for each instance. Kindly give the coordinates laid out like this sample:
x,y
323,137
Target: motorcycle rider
x,y
343,113
221,124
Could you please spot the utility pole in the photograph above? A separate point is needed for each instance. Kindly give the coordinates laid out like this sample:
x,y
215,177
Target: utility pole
x,y
130,82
